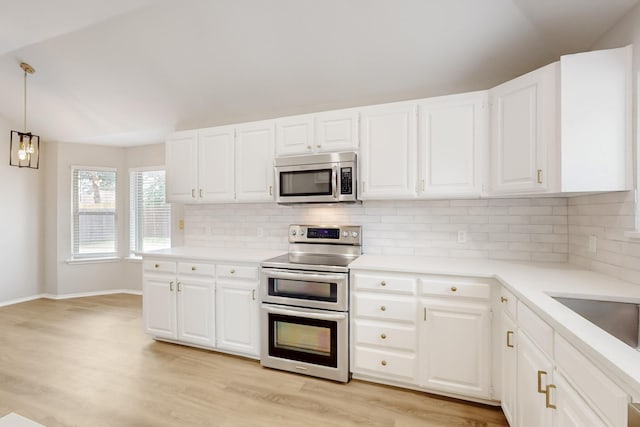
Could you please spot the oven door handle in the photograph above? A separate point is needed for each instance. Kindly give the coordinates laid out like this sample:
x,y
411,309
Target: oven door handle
x,y
318,316
307,277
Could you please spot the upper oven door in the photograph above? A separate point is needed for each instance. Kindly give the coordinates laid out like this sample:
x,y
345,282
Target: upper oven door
x,y
319,183
329,291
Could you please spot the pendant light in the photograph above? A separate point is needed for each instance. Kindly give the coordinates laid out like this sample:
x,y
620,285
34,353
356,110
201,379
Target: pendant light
x,y
24,148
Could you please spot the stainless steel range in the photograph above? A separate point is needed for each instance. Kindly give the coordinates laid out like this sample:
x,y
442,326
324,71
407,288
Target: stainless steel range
x,y
305,302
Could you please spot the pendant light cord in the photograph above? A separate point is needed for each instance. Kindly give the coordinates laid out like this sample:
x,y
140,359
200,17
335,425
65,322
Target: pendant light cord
x,y
25,101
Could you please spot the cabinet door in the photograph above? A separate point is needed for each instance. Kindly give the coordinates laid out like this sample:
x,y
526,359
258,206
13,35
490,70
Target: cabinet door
x,y
524,131
159,306
254,162
336,131
571,409
294,135
181,163
455,340
451,145
509,367
388,152
195,311
535,372
216,164
237,317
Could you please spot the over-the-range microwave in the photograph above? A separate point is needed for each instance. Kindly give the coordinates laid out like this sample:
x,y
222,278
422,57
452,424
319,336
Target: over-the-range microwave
x,y
316,178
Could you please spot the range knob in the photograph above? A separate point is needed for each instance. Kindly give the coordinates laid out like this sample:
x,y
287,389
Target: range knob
x,y
354,234
345,234
293,232
301,233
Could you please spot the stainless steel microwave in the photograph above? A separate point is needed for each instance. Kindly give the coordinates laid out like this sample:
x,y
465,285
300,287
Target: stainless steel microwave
x,y
316,178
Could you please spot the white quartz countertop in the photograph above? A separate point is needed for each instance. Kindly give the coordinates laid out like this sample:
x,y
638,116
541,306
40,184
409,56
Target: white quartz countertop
x,y
533,283
214,254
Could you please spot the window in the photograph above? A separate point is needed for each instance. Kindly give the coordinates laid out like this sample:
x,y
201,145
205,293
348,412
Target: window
x,y
94,221
150,215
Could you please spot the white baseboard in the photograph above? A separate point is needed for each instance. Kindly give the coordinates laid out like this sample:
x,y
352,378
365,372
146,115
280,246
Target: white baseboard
x,y
74,295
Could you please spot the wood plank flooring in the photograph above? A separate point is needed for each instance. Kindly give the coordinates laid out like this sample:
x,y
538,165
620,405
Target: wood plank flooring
x,y
86,362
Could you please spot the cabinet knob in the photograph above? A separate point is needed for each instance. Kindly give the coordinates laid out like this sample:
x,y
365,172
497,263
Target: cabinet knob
x,y
504,299
383,308
157,266
193,268
383,336
318,146
308,147
383,283
232,271
383,363
453,289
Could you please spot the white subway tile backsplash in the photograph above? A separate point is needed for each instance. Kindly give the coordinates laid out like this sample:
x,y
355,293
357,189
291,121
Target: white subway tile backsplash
x,y
536,229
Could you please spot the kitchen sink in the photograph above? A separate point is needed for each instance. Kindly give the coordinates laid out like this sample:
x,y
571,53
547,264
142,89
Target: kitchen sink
x,y
620,319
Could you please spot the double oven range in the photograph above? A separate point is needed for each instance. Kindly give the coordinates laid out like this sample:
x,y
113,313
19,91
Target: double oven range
x,y
305,302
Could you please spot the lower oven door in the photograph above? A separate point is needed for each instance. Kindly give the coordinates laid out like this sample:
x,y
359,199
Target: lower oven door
x,y
307,341
327,291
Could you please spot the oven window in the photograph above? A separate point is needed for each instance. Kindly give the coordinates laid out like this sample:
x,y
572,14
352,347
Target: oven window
x,y
315,182
302,289
302,339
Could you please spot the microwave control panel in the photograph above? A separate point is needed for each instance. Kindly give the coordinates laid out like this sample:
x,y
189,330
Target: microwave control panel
x,y
346,181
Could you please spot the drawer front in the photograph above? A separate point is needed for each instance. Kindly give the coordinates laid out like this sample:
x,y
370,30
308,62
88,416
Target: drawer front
x,y
455,289
197,269
385,335
508,302
592,383
539,332
158,266
385,283
400,366
238,271
382,307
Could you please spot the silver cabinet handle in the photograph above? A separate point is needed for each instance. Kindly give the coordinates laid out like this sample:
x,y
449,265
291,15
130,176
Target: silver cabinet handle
x,y
201,192
271,190
193,193
253,294
171,286
179,287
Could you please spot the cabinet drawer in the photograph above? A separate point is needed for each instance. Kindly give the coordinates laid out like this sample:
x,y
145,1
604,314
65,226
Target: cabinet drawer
x,y
385,363
151,265
237,271
455,288
385,335
508,301
598,390
385,283
382,307
196,269
539,332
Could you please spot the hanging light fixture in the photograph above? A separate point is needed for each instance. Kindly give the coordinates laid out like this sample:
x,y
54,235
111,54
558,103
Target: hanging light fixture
x,y
24,148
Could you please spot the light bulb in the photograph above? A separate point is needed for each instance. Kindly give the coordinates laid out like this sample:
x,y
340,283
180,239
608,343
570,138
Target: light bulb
x,y
30,148
22,154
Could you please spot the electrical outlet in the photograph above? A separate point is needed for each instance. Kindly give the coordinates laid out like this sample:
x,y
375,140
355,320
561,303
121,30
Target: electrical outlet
x,y
260,232
462,236
593,244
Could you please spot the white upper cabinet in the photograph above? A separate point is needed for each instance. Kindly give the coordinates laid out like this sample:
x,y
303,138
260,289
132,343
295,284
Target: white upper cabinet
x,y
254,161
215,164
452,140
564,127
331,131
181,157
388,151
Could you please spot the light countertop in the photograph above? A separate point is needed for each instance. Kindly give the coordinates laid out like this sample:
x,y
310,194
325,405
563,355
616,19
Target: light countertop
x,y
533,283
214,254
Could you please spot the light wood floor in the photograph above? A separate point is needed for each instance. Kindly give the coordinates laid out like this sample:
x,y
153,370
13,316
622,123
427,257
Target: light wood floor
x,y
86,362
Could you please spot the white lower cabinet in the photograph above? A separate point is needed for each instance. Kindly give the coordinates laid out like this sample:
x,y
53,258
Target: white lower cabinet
x,y
508,349
571,408
204,304
535,385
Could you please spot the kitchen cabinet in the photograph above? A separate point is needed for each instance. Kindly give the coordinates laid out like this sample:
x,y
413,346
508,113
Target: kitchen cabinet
x,y
254,161
455,337
508,352
564,127
388,151
535,385
181,159
330,131
178,301
237,309
571,409
452,145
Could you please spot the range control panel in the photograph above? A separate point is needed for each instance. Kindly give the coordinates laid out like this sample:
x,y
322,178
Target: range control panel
x,y
335,234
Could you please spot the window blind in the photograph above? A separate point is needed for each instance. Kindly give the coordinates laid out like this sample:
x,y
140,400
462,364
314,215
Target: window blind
x,y
94,213
150,215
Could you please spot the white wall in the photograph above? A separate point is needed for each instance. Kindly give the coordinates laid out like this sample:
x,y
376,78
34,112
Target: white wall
x,y
517,229
21,224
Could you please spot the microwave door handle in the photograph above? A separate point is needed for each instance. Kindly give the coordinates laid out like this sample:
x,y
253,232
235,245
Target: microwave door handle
x,y
318,316
335,182
305,276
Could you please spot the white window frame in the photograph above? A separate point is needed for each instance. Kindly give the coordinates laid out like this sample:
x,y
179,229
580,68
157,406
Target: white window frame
x,y
136,246
104,256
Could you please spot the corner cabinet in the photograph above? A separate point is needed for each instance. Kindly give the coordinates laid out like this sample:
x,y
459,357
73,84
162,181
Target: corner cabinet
x,y
209,305
430,333
565,127
388,151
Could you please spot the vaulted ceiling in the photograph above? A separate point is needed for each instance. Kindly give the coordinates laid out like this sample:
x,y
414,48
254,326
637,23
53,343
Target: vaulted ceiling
x,y
126,72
